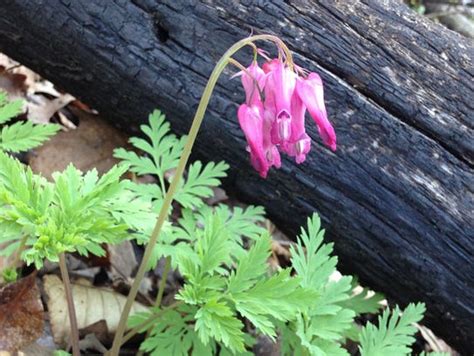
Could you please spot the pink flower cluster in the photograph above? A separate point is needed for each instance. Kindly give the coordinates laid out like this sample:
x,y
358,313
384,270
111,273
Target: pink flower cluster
x,y
273,116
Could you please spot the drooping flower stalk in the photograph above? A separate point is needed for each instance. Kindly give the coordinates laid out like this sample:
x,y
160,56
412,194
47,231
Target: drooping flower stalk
x,y
196,124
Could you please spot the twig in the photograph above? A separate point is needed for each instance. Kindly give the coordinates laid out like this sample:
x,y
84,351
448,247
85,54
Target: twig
x,y
70,305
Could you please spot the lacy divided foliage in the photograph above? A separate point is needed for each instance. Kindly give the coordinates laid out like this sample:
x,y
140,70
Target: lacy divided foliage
x,y
22,135
306,311
230,295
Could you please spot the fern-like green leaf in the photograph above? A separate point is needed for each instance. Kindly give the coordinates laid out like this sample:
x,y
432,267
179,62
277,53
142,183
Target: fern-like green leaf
x,y
24,196
279,296
394,334
315,265
216,320
242,222
163,149
22,136
9,109
316,346
252,266
173,334
327,321
73,214
199,182
365,301
213,246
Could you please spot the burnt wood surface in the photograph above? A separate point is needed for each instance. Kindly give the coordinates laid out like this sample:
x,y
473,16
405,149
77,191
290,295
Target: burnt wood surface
x,y
397,195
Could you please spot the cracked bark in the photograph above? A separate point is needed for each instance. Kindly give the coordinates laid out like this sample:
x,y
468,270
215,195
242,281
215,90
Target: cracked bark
x,y
397,196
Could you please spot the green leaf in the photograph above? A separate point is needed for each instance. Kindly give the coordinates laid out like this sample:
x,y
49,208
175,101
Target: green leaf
x,y
252,266
329,297
22,136
290,343
315,266
24,195
242,222
9,109
162,148
330,327
216,320
135,211
9,274
279,296
199,182
236,223
73,214
365,301
202,266
213,245
394,334
172,333
327,321
321,347
61,353
162,153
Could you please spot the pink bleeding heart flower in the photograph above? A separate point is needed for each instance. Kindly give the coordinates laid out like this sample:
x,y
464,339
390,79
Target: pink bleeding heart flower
x,y
253,81
251,122
271,150
270,65
279,89
300,142
276,121
310,90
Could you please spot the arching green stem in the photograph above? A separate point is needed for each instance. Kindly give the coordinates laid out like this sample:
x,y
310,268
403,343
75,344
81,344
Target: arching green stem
x,y
163,215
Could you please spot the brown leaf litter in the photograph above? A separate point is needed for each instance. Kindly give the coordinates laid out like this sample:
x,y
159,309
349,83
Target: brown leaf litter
x,y
21,314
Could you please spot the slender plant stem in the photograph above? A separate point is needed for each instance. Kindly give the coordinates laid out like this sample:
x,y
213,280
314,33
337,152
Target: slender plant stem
x,y
70,305
240,66
161,290
163,215
161,287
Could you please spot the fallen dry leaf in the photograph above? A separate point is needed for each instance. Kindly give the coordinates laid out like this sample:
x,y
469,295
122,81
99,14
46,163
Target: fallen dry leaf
x,y
41,109
435,344
89,146
92,305
21,314
12,83
92,342
98,329
123,261
22,83
30,77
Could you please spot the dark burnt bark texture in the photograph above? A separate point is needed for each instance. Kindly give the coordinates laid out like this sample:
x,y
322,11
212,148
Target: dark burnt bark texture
x,y
396,197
